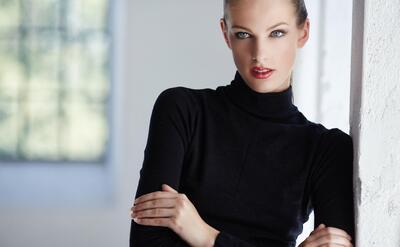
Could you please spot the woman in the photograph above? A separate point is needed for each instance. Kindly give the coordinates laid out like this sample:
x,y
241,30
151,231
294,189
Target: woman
x,y
241,165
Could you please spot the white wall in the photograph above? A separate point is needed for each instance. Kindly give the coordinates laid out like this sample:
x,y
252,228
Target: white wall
x,y
160,44
375,121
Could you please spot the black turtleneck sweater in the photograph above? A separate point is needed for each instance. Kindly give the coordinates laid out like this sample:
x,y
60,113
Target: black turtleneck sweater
x,y
251,163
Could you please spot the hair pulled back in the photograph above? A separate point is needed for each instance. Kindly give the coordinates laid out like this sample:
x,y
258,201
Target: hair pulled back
x,y
300,10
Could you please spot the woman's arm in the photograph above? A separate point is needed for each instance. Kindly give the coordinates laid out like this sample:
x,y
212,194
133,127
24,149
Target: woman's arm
x,y
332,182
169,135
163,159
225,239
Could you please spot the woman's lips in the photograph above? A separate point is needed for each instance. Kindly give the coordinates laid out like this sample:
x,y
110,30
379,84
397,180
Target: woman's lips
x,y
261,72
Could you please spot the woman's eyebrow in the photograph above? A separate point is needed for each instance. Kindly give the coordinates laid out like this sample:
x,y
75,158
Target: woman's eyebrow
x,y
278,24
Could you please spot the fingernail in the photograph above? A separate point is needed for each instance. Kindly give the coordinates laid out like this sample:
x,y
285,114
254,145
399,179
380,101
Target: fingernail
x,y
135,219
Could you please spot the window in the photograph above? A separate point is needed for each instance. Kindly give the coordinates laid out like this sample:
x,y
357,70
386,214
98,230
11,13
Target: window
x,y
54,80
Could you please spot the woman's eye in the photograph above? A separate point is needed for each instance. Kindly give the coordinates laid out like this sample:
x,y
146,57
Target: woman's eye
x,y
242,35
277,33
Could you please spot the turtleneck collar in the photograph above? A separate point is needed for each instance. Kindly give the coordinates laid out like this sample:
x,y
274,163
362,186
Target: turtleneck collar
x,y
269,105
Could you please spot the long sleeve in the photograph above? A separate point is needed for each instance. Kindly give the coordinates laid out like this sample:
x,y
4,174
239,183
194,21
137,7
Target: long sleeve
x,y
163,159
225,239
332,182
169,135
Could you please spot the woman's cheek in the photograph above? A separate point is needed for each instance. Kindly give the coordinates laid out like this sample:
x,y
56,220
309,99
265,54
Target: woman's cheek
x,y
240,54
239,62
287,55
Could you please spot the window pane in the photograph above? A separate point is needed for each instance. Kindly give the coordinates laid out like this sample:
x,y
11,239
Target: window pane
x,y
39,134
8,129
87,14
84,127
44,13
9,17
86,66
43,55
12,73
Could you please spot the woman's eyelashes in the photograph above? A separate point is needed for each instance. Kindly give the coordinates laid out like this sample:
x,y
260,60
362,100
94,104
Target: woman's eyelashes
x,y
278,33
242,35
274,34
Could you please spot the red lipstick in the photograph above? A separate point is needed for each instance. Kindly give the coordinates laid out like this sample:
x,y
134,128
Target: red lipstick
x,y
261,72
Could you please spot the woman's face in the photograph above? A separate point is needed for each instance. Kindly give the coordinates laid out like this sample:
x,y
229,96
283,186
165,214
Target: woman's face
x,y
263,35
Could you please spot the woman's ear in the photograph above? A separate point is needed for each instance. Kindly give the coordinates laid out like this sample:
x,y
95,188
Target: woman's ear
x,y
224,30
304,34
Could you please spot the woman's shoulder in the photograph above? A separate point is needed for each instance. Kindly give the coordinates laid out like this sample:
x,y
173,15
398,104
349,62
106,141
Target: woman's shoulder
x,y
333,139
327,138
182,95
181,92
327,133
333,134
333,153
181,100
337,137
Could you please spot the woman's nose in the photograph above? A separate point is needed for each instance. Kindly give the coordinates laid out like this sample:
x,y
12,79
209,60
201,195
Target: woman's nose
x,y
259,51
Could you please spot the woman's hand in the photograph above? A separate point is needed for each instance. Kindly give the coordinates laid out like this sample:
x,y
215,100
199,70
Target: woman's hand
x,y
173,210
323,236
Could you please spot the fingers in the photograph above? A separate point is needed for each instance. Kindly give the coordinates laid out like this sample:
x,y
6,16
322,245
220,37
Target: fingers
x,y
155,209
318,232
156,203
319,227
335,245
332,239
327,236
154,195
327,241
154,213
166,222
